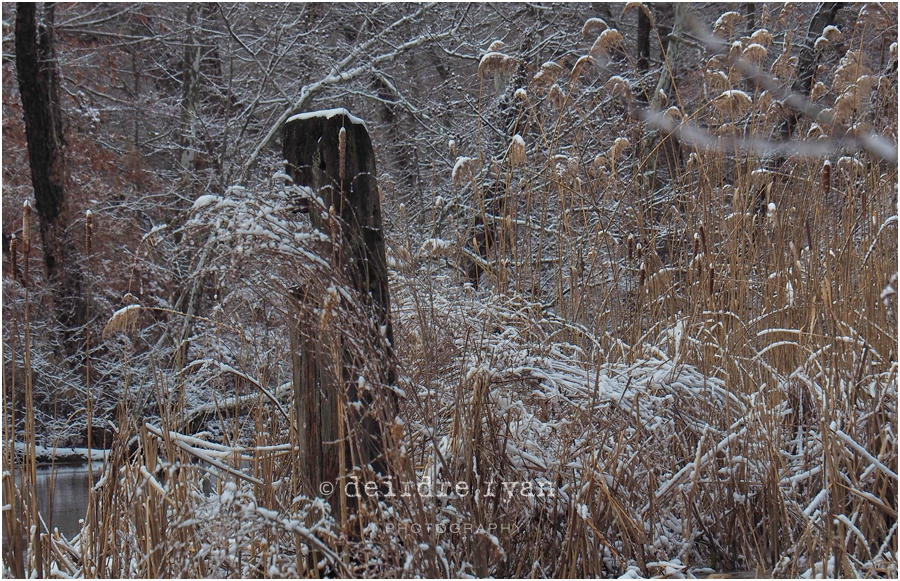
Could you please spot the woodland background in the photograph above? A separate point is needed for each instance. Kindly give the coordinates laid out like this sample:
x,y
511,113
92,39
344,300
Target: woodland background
x,y
647,253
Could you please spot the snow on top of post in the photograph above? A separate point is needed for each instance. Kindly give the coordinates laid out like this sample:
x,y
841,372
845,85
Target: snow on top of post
x,y
328,114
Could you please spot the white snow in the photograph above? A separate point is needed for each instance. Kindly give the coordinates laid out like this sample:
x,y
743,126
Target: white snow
x,y
45,453
461,164
327,114
493,57
205,200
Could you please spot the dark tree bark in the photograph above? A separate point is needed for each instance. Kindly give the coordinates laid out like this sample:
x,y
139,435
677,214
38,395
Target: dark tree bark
x,y
39,91
806,69
311,147
643,42
190,96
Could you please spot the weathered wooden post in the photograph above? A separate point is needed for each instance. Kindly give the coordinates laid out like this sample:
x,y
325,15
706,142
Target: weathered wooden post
x,y
331,153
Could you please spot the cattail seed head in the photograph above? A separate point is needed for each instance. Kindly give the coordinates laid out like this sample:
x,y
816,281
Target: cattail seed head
x,y
643,8
463,170
703,238
725,24
26,227
88,231
833,34
619,86
761,36
826,177
495,63
342,152
517,152
618,147
712,280
593,26
630,247
606,42
556,96
818,90
580,66
548,74
733,101
642,278
754,53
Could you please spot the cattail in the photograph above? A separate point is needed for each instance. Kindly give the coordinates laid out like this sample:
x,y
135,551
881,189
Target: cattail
x,y
548,74
761,36
643,275
88,231
451,145
643,8
754,53
463,170
495,62
696,244
608,40
26,228
821,44
725,24
517,153
673,114
817,91
785,16
580,66
833,34
556,96
630,247
593,26
639,250
342,152
13,251
619,86
826,177
703,239
712,279
734,102
716,80
618,147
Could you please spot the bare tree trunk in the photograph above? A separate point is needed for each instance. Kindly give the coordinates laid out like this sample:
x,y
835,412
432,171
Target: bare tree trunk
x,y
39,91
190,92
312,148
189,100
649,152
643,42
806,70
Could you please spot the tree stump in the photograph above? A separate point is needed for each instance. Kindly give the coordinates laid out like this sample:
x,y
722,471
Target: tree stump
x,y
331,153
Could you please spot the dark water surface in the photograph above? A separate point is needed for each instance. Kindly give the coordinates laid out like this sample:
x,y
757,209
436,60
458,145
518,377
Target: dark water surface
x,y
69,501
